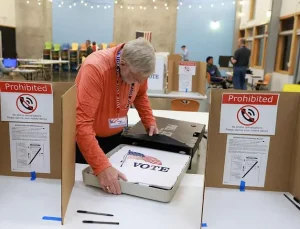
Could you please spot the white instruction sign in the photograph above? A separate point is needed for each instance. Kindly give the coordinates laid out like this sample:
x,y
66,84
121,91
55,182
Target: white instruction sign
x,y
187,68
26,102
247,113
29,147
246,160
185,83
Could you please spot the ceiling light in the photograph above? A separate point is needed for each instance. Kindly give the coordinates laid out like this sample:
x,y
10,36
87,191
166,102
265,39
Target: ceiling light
x,y
212,5
141,7
70,6
92,7
166,4
180,3
190,6
155,7
98,6
215,25
74,4
116,2
121,7
132,8
223,3
85,4
200,6
145,8
27,2
82,2
167,8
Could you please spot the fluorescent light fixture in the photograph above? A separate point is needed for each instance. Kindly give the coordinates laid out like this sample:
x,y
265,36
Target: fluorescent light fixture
x,y
215,25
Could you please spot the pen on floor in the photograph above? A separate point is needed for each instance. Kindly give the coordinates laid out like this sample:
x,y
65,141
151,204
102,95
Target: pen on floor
x,y
93,213
100,222
292,201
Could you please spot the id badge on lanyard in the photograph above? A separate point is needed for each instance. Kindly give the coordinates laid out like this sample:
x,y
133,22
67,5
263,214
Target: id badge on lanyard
x,y
117,122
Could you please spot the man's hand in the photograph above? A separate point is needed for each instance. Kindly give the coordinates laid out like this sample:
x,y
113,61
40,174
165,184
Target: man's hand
x,y
153,130
109,180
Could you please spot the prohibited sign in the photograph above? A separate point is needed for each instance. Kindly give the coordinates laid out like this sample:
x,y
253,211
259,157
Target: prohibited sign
x,y
248,115
26,103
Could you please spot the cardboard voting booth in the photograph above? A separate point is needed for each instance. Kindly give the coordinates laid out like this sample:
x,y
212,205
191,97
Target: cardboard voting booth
x,y
37,136
186,76
157,81
254,141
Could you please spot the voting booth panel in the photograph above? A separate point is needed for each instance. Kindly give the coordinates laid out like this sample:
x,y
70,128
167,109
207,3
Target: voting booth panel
x,y
68,114
55,135
282,172
176,80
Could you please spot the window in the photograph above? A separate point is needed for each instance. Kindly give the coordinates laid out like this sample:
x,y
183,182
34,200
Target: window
x,y
287,41
287,44
259,46
260,43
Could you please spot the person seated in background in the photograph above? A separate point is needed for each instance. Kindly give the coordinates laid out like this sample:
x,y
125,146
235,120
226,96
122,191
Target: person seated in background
x,y
4,70
94,46
215,75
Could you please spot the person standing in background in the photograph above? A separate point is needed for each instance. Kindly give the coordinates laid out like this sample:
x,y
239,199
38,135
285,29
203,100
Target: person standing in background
x,y
185,53
94,46
240,62
89,49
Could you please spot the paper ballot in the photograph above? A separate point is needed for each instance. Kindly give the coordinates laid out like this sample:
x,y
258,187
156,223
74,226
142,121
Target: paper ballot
x,y
149,166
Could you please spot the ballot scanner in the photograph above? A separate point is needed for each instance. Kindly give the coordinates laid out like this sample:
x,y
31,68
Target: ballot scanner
x,y
154,166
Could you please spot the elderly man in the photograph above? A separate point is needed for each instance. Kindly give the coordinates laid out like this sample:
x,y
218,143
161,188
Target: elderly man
x,y
108,82
241,63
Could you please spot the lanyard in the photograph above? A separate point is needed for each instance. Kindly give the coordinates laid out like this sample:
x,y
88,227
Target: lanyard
x,y
118,87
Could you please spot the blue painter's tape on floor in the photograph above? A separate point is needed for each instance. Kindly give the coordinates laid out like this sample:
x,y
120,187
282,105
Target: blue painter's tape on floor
x,y
243,186
52,218
204,224
33,176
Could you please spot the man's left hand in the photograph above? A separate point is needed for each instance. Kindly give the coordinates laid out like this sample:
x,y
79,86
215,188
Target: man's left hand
x,y
152,130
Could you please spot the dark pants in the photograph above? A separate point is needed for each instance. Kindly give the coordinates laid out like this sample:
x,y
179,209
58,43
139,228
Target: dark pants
x,y
107,144
239,78
220,81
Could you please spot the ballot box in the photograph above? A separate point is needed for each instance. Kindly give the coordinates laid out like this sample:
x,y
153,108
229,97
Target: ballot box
x,y
174,136
151,173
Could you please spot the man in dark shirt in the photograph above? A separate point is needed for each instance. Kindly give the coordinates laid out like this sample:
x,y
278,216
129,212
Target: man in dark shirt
x,y
240,61
215,76
89,49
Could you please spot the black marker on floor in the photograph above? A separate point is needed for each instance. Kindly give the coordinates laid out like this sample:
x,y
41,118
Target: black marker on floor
x,y
292,201
100,222
296,200
93,213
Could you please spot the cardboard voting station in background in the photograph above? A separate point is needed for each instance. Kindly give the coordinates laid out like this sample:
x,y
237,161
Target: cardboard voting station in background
x,y
62,141
198,80
281,154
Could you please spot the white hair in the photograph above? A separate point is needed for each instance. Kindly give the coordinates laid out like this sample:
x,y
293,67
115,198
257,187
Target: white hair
x,y
140,56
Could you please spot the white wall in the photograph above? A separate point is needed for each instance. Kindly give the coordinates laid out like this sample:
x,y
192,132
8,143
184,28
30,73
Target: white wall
x,y
279,80
260,17
289,7
7,13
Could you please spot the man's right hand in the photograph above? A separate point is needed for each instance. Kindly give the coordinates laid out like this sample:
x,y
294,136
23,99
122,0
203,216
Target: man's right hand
x,y
109,180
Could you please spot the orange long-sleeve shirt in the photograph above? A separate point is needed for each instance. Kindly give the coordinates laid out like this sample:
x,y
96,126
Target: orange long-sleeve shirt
x,y
96,104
